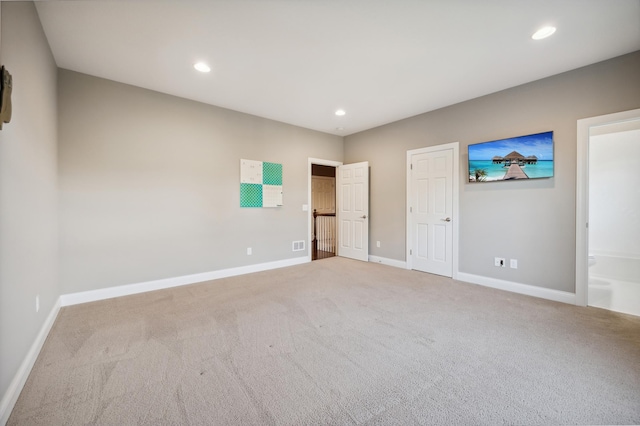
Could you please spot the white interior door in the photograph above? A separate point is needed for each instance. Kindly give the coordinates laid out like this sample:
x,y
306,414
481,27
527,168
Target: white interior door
x,y
353,210
431,212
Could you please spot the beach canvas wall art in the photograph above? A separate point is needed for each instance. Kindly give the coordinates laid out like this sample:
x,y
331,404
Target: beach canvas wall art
x,y
522,157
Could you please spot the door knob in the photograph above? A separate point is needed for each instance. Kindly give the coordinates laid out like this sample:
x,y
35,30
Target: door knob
x,y
363,217
448,219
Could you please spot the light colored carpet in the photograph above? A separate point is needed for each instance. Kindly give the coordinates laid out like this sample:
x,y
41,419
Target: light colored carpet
x,y
334,341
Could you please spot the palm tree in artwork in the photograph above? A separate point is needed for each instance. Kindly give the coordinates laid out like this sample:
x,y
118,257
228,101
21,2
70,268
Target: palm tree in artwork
x,y
481,175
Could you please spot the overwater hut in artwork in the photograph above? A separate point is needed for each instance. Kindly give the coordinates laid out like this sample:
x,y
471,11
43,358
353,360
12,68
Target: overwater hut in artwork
x,y
497,160
531,159
514,157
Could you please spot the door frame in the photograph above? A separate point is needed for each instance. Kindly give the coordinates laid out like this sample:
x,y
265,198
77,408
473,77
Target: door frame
x,y
582,195
320,162
455,146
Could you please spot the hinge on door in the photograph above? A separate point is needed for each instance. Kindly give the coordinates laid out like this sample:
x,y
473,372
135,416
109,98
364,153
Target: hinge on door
x,y
410,252
411,166
410,209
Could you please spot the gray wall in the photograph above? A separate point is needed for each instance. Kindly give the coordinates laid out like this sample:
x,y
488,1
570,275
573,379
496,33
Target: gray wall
x,y
28,203
149,185
538,215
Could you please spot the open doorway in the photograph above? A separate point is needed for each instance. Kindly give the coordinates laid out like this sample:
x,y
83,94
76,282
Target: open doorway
x,y
614,224
323,211
607,254
351,232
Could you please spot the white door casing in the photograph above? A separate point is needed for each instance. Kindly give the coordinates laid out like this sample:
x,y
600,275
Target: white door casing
x,y
432,209
353,210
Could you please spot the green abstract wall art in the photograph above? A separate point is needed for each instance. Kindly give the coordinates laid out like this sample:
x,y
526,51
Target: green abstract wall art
x,y
260,184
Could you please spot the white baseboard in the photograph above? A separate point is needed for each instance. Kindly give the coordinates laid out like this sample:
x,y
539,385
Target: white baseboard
x,y
15,387
529,290
126,290
389,262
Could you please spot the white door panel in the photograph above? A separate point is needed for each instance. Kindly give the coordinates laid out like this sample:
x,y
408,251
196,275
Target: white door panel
x,y
353,211
431,233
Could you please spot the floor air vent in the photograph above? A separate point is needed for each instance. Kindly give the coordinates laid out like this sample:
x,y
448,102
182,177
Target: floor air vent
x,y
298,245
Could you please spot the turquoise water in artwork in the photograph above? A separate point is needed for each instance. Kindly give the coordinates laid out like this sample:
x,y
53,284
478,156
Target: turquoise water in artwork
x,y
543,169
538,146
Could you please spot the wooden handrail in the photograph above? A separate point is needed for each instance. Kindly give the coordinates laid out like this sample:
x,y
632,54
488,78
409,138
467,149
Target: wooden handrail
x,y
316,214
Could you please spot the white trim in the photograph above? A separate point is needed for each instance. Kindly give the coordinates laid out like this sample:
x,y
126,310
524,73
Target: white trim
x,y
529,290
125,290
582,195
319,162
387,261
15,387
455,146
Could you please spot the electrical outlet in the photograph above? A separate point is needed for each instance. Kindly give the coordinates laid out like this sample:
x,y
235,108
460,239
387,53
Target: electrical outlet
x,y
377,243
500,262
513,263
37,303
249,251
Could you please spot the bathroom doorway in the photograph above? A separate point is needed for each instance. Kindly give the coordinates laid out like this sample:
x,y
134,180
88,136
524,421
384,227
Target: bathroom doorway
x,y
608,206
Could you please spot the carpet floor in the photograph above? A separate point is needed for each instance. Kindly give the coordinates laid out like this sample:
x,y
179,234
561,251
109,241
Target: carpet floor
x,y
334,341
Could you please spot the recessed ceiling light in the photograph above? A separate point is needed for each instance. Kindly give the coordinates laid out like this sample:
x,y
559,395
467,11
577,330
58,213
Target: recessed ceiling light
x,y
543,33
340,112
202,67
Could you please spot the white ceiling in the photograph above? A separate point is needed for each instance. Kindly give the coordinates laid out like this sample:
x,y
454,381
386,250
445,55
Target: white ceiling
x,y
297,61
